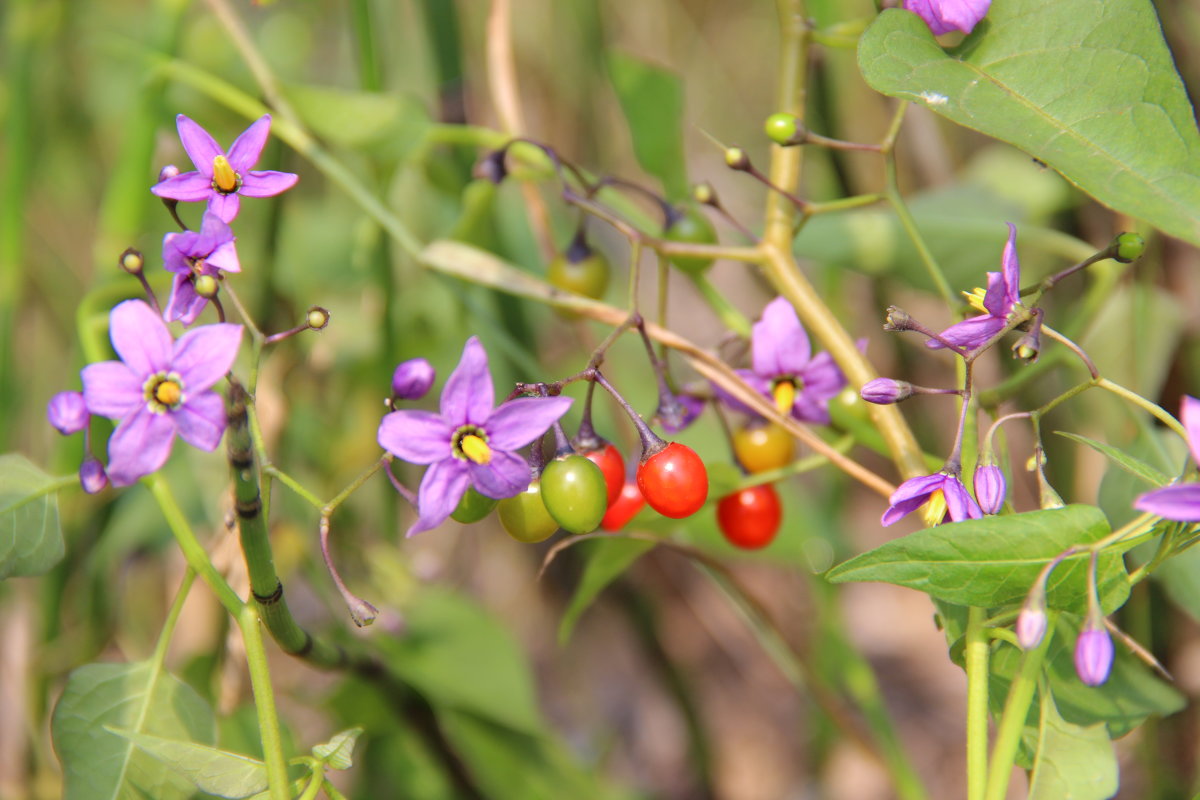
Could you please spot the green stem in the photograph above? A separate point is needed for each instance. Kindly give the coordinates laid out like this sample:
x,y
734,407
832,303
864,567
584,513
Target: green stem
x,y
264,703
1016,712
1138,400
977,703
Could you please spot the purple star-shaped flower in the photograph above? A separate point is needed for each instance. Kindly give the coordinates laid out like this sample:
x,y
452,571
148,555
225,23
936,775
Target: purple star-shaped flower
x,y
784,368
223,178
160,387
469,443
1003,294
190,255
1180,503
950,499
943,16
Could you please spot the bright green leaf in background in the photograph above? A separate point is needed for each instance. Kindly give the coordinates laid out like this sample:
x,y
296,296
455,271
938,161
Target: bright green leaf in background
x,y
30,535
607,559
994,561
211,770
338,752
652,99
100,765
1072,760
1087,86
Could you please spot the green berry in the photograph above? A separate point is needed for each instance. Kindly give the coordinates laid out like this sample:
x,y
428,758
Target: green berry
x,y
473,507
575,493
782,128
1130,247
525,517
691,227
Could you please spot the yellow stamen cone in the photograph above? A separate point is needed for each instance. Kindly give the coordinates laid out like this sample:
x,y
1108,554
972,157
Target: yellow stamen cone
x,y
785,396
223,175
475,449
975,299
167,393
935,509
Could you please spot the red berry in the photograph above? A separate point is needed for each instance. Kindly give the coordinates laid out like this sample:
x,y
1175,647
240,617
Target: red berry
x,y
628,504
750,517
610,462
674,481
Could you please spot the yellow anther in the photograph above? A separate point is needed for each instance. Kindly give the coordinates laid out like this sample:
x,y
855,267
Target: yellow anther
x,y
975,299
785,396
168,393
475,449
224,178
935,508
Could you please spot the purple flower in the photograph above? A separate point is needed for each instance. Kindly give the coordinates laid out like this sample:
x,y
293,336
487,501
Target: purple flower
x,y
92,476
947,15
784,368
945,493
159,388
1180,503
990,488
688,406
412,379
190,255
1093,654
1003,293
68,412
885,391
469,443
223,178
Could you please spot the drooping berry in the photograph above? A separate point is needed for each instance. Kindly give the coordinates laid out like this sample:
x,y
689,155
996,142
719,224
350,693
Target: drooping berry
x,y
674,481
575,493
750,518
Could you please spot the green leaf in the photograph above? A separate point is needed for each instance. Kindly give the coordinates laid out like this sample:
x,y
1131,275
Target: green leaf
x,y
606,560
337,752
460,657
993,561
1071,760
1088,87
30,535
211,770
139,697
652,99
1125,461
389,124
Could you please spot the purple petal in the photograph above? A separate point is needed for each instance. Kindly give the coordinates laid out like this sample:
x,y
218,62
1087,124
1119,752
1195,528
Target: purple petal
x,y
1189,414
247,147
200,146
959,503
970,333
215,230
201,420
418,437
225,258
443,486
1011,268
139,446
692,408
184,305
225,206
943,16
190,187
140,337
822,378
910,495
518,422
811,409
111,389
506,475
468,396
779,343
67,412
995,299
267,182
1180,503
174,259
203,355
760,385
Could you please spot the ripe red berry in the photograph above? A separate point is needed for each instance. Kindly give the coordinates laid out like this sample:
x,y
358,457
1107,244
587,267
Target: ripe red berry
x,y
749,518
628,504
674,481
610,462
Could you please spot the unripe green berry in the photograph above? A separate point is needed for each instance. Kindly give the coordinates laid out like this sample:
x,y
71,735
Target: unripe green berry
x,y
317,318
206,286
1130,246
131,261
704,194
784,129
736,158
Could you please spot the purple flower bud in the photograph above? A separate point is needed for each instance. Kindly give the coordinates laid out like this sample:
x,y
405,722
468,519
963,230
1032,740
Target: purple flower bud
x,y
167,172
92,476
990,488
1031,626
1093,654
885,391
949,15
67,412
412,379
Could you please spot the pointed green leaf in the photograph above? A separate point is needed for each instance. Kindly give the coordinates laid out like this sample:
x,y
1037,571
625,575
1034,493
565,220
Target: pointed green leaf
x,y
1086,86
211,770
30,535
606,560
1072,760
387,124
1123,460
338,752
139,697
994,561
652,99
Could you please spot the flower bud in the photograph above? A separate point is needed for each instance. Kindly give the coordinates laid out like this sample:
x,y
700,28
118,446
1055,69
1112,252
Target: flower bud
x,y
1029,346
131,261
1093,654
1130,246
317,318
412,379
92,476
67,412
167,172
736,158
491,167
785,129
885,391
897,319
990,488
206,286
1031,625
704,194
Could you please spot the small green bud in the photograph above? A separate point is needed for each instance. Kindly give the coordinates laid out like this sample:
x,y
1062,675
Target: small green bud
x,y
704,194
1130,247
206,286
737,159
131,261
317,318
784,129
